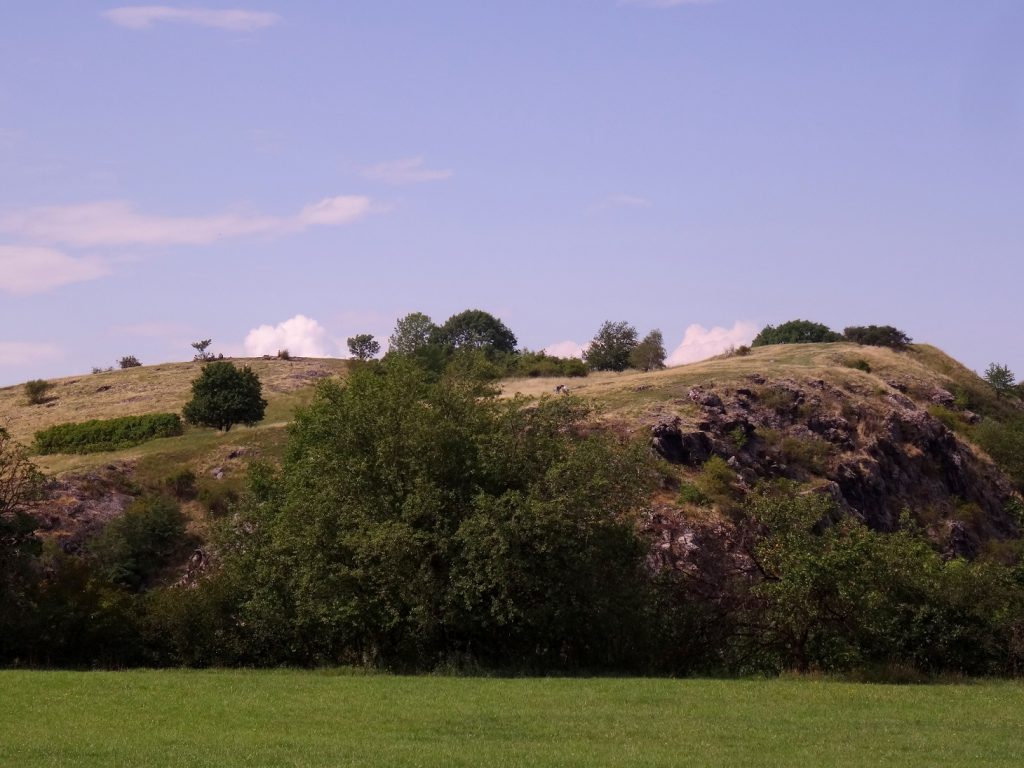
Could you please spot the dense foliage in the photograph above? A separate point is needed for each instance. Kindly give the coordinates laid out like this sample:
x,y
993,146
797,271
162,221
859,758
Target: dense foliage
x,y
795,332
877,336
101,435
611,347
363,347
649,354
475,329
224,395
131,548
446,524
1000,378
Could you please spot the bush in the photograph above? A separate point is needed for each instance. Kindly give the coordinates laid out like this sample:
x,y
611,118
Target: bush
x,y
36,390
691,494
877,336
131,361
284,354
742,350
1004,442
132,548
182,485
795,332
107,435
717,481
540,364
224,395
860,364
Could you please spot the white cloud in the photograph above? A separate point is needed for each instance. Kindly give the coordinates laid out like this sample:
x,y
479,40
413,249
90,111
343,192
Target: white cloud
x,y
566,349
235,20
302,336
700,343
117,223
665,3
411,170
21,353
26,270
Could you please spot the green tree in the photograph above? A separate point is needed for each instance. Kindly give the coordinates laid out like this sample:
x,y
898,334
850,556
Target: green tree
x,y
877,336
1000,378
445,523
224,395
649,354
611,348
200,347
363,347
476,330
795,332
412,333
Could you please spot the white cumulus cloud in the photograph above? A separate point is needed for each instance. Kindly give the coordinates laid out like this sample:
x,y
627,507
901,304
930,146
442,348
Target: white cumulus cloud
x,y
118,223
410,170
302,336
566,349
235,19
15,354
26,270
700,343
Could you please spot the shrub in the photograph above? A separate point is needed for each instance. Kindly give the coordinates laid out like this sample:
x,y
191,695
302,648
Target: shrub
x,y
795,332
200,347
283,354
107,435
860,364
541,364
717,481
217,497
810,453
742,350
182,485
224,395
1004,442
130,361
97,369
36,390
133,547
689,493
877,336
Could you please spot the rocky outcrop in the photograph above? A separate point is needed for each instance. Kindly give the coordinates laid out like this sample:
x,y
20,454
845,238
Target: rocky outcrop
x,y
879,456
78,506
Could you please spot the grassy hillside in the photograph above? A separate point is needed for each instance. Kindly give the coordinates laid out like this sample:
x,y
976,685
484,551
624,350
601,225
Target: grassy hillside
x,y
242,718
632,398
149,389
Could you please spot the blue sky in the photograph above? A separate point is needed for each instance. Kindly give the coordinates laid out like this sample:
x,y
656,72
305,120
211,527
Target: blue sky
x,y
291,173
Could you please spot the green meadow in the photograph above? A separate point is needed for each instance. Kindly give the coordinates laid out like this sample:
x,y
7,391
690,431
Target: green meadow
x,y
288,718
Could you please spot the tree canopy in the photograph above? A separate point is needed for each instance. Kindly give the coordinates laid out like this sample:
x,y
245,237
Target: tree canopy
x,y
611,348
412,333
795,332
363,346
445,523
649,354
475,329
877,336
224,395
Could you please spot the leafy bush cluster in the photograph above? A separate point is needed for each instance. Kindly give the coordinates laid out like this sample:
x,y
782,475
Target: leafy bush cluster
x,y
131,548
107,435
808,332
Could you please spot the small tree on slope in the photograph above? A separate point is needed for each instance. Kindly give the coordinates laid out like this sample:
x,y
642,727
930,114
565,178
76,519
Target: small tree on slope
x,y
224,395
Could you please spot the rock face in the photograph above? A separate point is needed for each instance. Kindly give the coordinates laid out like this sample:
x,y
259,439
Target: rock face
x,y
879,456
77,507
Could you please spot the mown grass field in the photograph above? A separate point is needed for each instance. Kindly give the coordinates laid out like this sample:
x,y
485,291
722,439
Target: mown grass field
x,y
244,718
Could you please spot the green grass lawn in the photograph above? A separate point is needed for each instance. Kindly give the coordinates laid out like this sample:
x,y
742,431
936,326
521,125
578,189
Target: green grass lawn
x,y
321,719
